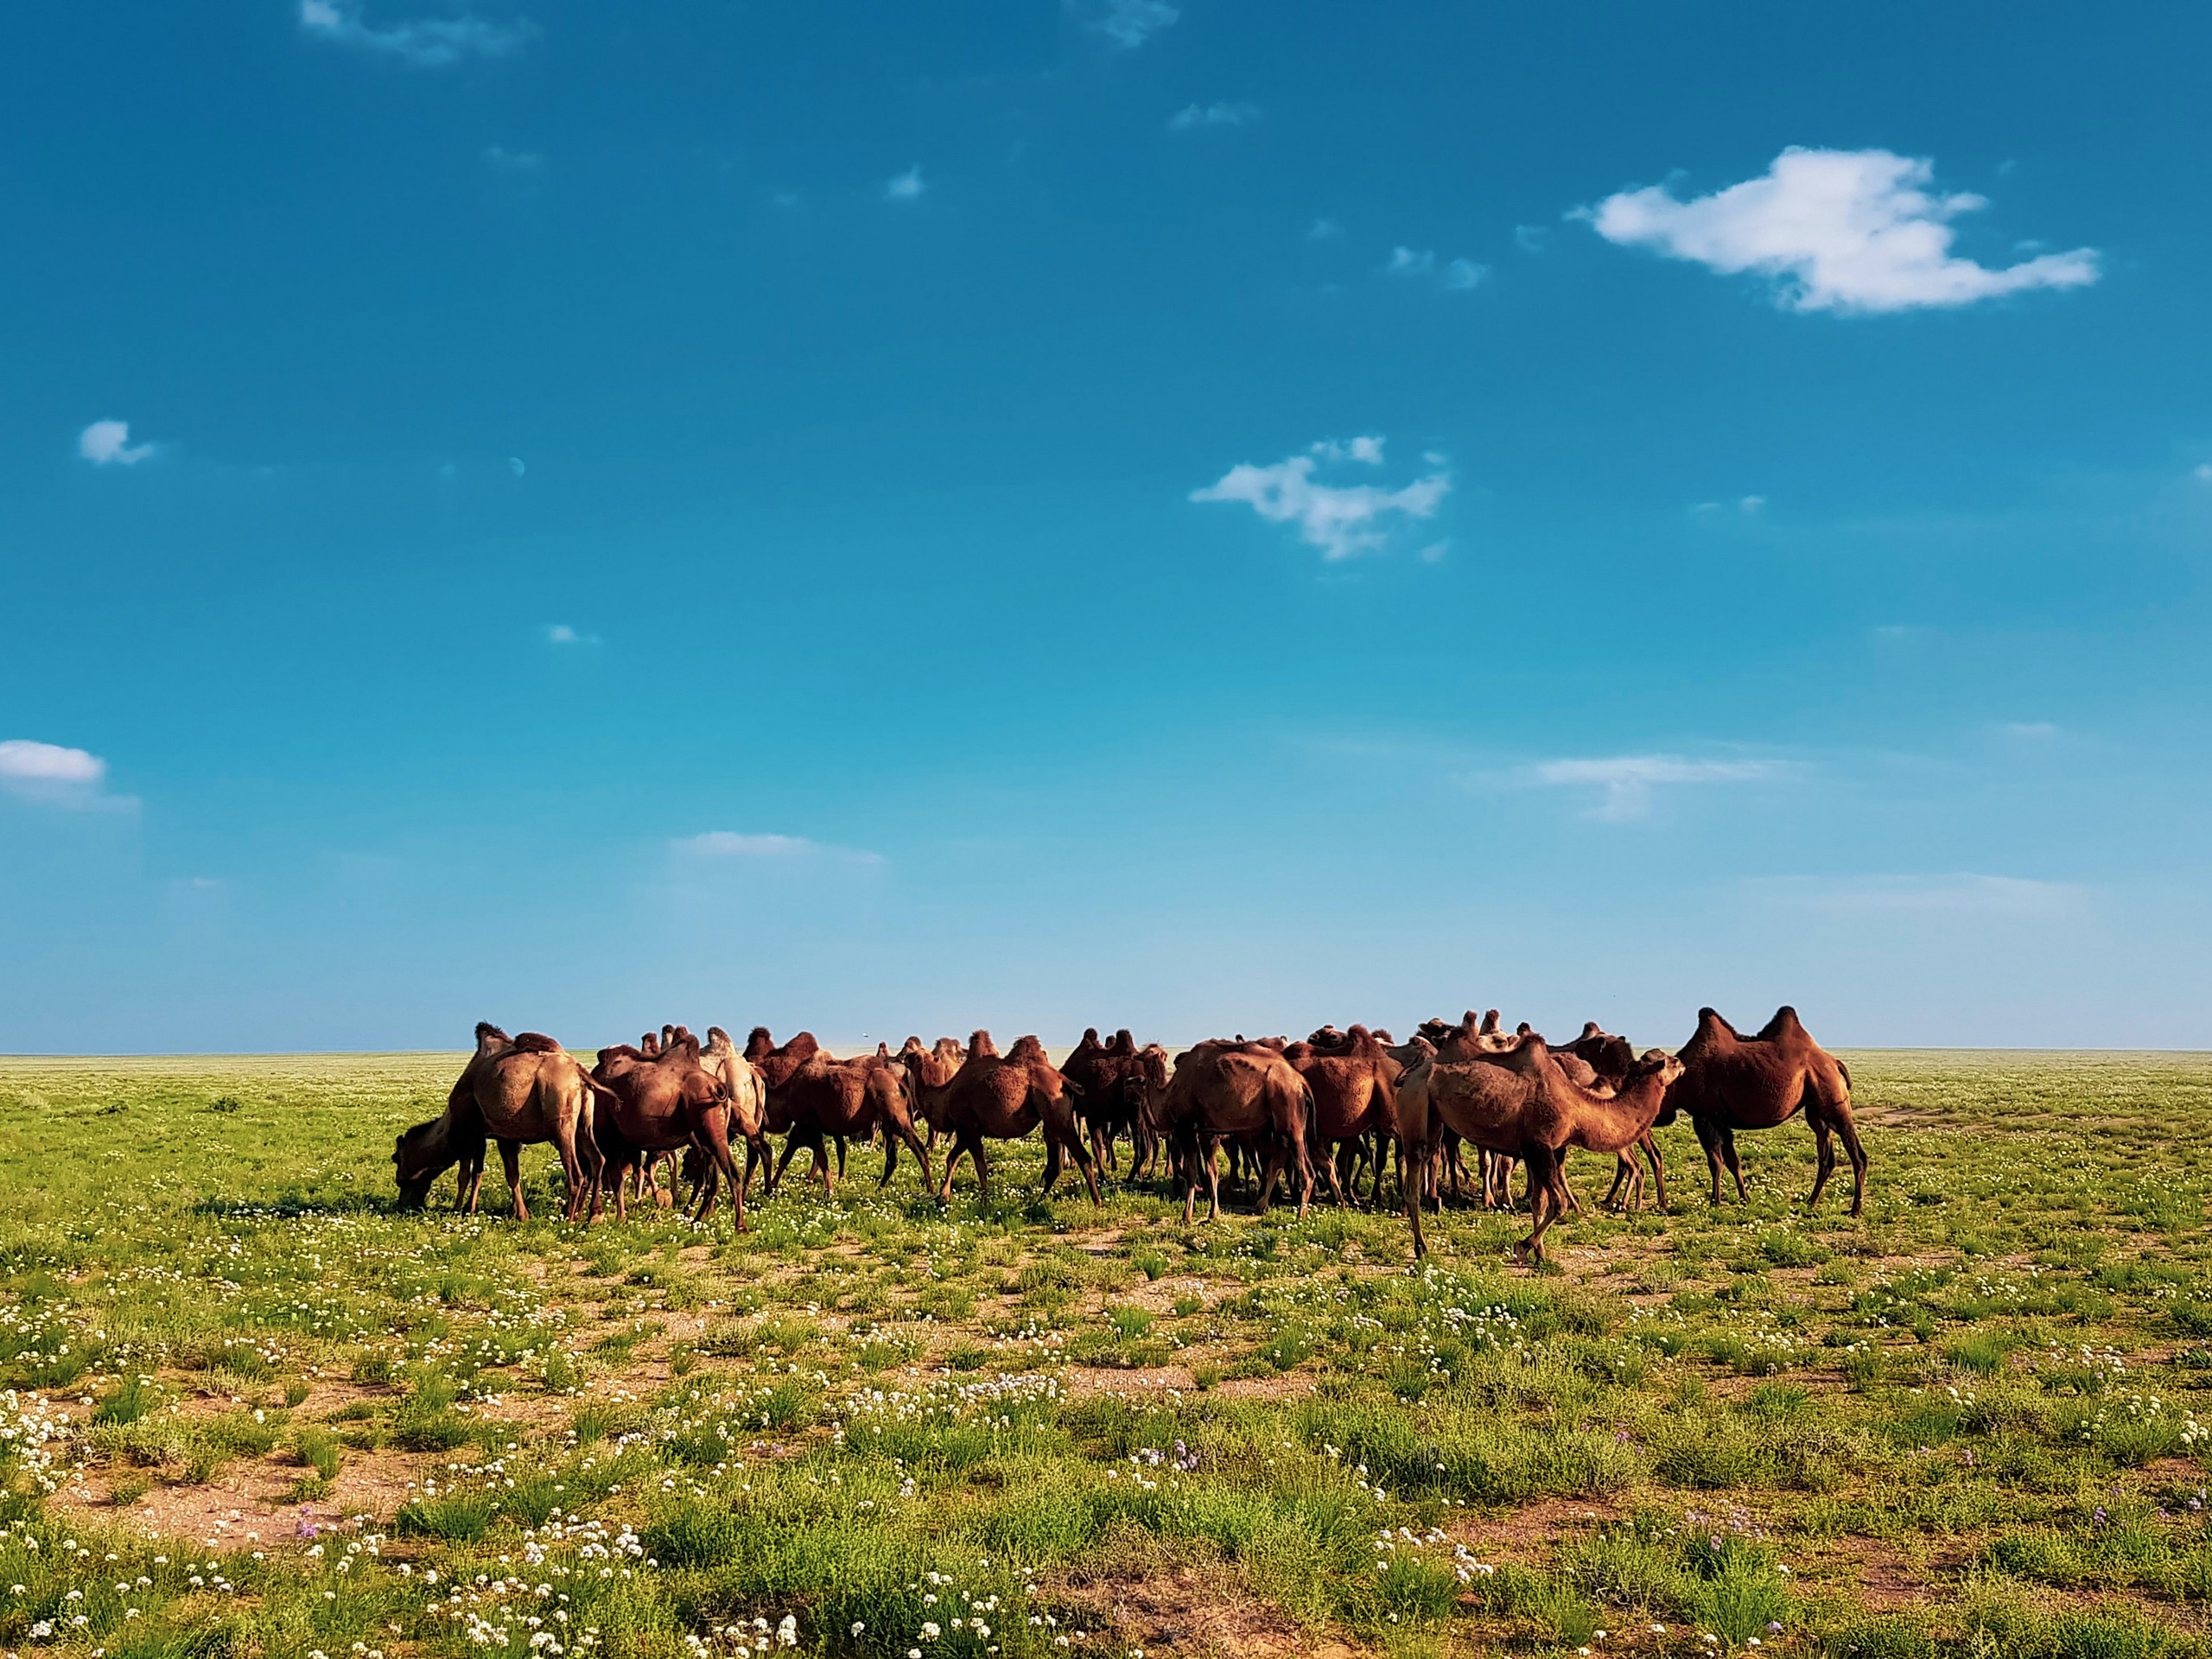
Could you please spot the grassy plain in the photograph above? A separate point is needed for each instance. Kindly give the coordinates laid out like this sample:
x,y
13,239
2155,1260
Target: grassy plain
x,y
255,1412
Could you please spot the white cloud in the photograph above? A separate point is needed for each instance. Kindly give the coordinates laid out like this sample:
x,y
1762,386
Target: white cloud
x,y
1627,780
1960,893
52,775
907,187
107,444
730,844
1837,230
1531,238
1458,275
430,42
1194,115
1130,23
560,634
1322,229
1343,520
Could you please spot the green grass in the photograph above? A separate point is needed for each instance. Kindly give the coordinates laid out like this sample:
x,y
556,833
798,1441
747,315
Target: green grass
x,y
1973,1422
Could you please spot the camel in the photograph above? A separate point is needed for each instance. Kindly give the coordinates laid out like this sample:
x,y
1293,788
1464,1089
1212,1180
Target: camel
x,y
1521,1105
1730,1083
1354,1085
1001,1099
813,1099
513,1089
1245,1091
663,1102
939,1061
1100,1072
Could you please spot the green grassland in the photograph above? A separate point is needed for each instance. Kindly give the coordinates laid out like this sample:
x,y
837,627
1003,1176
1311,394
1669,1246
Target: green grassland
x,y
1975,1420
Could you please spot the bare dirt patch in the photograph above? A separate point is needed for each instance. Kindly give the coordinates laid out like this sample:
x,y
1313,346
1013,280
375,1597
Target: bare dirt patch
x,y
1192,1609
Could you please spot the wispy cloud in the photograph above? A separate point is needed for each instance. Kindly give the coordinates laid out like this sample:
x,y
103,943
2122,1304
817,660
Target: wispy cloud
x,y
1955,893
1748,504
1532,239
502,160
53,775
906,186
560,634
732,844
1321,230
1343,520
1455,275
427,42
1837,230
1130,23
1191,116
107,444
1625,782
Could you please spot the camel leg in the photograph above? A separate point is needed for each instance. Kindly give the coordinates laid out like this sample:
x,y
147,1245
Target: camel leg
x,y
1212,1155
1658,1168
1336,1180
921,1155
1708,1136
510,1161
1849,1130
983,1169
1411,1186
1543,1201
1735,1164
722,1165
1824,1144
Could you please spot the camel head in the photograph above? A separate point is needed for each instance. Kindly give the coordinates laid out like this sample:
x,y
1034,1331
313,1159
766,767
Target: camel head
x,y
419,1158
1657,1062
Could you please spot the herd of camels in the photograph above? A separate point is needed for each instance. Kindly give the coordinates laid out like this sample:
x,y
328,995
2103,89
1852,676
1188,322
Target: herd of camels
x,y
1340,1104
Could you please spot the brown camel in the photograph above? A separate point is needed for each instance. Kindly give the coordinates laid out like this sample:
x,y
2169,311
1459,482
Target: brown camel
x,y
939,1061
514,1091
813,1098
1003,1099
1354,1084
1520,1103
1730,1083
1100,1072
667,1102
1243,1091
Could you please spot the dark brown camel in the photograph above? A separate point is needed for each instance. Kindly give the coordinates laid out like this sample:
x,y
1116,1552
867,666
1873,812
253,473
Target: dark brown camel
x,y
995,1098
1245,1091
1100,1072
1730,1083
515,1090
1354,1085
813,1097
663,1102
939,1061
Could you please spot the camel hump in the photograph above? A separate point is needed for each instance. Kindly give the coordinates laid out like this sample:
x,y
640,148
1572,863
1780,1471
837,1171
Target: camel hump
x,y
536,1042
1490,1022
486,1031
1089,1037
1591,1029
981,1046
1123,1042
1025,1047
718,1040
1785,1023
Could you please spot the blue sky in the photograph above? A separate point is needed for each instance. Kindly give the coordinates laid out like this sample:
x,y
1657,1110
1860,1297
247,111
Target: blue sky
x,y
1203,517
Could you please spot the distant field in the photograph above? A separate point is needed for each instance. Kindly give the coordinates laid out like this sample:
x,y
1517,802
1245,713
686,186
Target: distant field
x,y
1964,1424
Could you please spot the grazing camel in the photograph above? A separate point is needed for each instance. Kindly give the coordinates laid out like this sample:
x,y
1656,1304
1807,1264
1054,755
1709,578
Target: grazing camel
x,y
1521,1105
1354,1084
1730,1083
1245,1092
1002,1097
513,1089
667,1102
